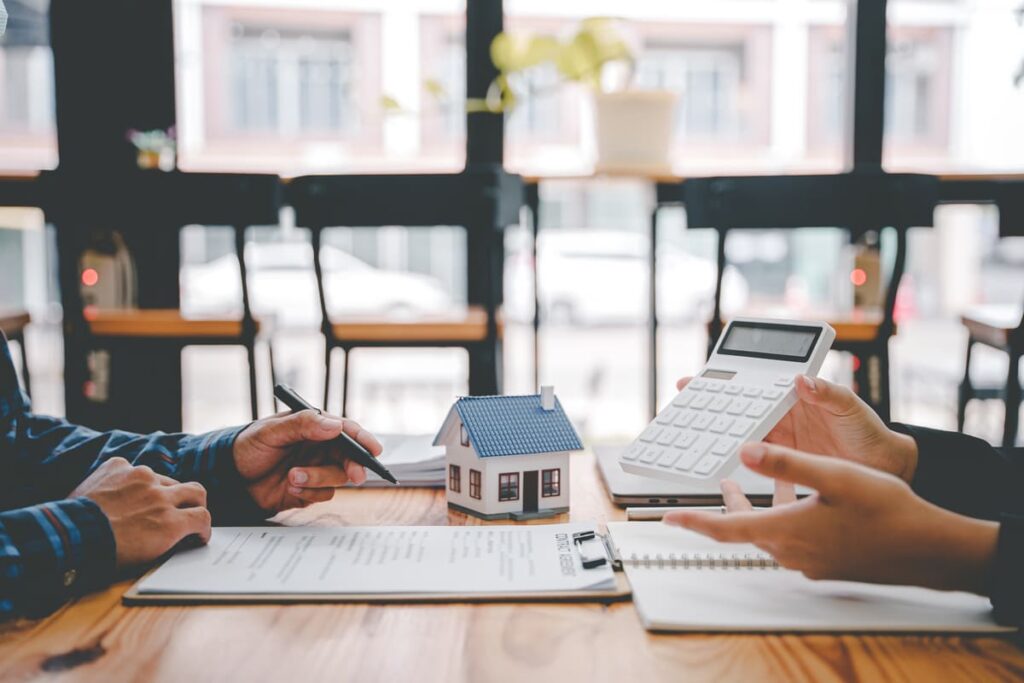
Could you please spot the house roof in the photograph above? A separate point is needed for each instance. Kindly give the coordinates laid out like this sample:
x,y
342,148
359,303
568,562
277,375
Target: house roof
x,y
515,425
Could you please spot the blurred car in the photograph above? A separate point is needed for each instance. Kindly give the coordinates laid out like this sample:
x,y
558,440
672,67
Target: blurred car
x,y
282,283
601,277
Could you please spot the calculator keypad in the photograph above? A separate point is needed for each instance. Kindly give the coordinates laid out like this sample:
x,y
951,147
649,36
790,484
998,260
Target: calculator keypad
x,y
703,427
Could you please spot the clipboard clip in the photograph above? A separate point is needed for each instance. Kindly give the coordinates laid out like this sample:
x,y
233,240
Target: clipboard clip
x,y
589,561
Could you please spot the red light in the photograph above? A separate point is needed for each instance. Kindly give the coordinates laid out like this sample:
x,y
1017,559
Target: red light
x,y
90,277
858,277
89,389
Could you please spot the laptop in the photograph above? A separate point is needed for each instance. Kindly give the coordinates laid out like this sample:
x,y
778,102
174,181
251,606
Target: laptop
x,y
634,490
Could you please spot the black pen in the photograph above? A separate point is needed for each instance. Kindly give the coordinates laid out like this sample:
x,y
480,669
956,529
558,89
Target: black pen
x,y
350,449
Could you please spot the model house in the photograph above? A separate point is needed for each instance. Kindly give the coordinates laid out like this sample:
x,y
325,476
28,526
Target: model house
x,y
508,456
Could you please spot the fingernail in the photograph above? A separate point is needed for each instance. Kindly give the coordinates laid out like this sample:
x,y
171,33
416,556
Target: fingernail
x,y
332,424
753,454
299,477
809,382
294,491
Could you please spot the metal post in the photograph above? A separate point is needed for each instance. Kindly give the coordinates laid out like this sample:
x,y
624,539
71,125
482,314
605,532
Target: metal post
x,y
865,121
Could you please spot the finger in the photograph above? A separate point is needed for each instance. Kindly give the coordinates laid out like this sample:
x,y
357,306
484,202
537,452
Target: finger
x,y
785,493
363,437
187,495
311,495
164,480
741,527
778,462
196,521
356,472
327,476
305,425
683,381
732,495
834,398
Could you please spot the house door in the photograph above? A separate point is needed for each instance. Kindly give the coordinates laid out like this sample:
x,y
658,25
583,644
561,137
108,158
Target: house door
x,y
530,489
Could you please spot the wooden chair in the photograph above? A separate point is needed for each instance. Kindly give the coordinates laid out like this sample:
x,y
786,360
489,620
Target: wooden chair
x,y
124,328
13,324
858,201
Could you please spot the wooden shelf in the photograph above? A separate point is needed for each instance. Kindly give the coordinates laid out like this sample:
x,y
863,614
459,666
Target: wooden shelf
x,y
14,322
465,327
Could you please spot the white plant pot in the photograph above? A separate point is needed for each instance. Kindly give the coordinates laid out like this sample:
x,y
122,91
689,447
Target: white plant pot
x,y
634,131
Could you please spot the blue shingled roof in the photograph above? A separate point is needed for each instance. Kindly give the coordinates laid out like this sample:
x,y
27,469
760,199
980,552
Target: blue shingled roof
x,y
516,425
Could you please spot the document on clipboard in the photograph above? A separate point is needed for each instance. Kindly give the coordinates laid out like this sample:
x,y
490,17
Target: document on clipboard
x,y
431,563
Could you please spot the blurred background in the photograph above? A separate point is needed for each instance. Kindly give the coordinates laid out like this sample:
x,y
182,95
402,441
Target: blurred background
x,y
295,88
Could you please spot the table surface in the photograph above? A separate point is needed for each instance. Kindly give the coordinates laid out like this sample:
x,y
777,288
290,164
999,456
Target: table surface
x,y
97,639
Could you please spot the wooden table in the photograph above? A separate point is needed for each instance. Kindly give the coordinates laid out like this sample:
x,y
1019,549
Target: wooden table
x,y
96,639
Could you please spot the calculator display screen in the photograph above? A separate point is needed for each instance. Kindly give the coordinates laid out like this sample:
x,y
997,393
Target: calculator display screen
x,y
765,340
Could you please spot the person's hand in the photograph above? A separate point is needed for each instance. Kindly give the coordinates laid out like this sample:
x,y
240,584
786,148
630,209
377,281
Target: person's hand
x,y
861,525
148,512
287,460
829,418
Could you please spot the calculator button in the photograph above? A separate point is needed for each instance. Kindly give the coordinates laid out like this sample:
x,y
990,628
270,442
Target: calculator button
x,y
668,458
683,399
633,452
684,419
723,446
696,384
686,439
707,465
702,421
752,392
759,409
784,382
733,389
739,406
651,455
772,394
703,443
719,404
714,387
721,424
667,437
701,402
741,428
651,433
687,460
666,416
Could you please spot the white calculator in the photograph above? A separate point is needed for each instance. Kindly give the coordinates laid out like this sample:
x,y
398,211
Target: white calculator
x,y
745,388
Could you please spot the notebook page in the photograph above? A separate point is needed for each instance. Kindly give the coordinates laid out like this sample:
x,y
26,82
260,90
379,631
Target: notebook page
x,y
380,560
734,599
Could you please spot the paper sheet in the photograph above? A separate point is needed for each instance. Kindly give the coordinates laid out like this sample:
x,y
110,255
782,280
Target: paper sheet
x,y
381,560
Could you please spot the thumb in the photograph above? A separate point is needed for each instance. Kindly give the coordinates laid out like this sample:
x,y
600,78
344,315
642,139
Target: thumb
x,y
834,398
305,425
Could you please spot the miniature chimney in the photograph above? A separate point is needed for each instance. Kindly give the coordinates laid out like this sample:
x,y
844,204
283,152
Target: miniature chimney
x,y
547,397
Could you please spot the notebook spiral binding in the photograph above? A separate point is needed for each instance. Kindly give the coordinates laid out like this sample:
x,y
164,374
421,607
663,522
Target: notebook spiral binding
x,y
703,561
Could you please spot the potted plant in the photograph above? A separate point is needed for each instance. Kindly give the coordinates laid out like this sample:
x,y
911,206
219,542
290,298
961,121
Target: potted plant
x,y
633,127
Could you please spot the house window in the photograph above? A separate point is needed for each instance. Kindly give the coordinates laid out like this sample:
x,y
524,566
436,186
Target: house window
x,y
508,486
474,484
455,478
551,483
463,436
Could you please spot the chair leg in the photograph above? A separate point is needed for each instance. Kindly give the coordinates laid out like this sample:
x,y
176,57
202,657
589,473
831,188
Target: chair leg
x,y
965,392
861,381
25,375
882,393
327,374
1013,398
345,383
250,351
273,369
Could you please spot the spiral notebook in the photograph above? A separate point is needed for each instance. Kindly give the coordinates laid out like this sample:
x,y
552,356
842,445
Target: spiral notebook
x,y
683,581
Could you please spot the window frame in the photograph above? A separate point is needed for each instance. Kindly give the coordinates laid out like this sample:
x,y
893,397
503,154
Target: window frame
x,y
508,487
475,480
463,435
455,478
551,482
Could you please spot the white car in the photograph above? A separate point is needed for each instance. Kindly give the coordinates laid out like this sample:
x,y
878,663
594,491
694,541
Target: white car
x,y
282,283
601,277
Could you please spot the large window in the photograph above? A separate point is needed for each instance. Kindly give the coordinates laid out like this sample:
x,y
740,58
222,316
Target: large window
x,y
551,483
28,137
508,486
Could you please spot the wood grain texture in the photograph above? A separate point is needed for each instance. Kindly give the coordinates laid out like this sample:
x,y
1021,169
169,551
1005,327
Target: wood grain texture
x,y
159,323
469,325
96,639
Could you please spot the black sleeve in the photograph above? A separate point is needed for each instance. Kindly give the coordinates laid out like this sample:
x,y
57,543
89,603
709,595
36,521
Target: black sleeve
x,y
967,475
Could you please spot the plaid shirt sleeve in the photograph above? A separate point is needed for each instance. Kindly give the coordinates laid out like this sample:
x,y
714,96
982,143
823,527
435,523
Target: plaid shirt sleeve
x,y
52,547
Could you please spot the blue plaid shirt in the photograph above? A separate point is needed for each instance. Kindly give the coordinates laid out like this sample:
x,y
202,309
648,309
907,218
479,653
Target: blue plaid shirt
x,y
53,547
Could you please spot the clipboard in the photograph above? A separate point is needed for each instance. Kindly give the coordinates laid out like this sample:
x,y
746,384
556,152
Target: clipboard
x,y
594,550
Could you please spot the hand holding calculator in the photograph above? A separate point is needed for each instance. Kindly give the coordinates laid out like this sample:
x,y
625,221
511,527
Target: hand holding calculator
x,y
745,388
